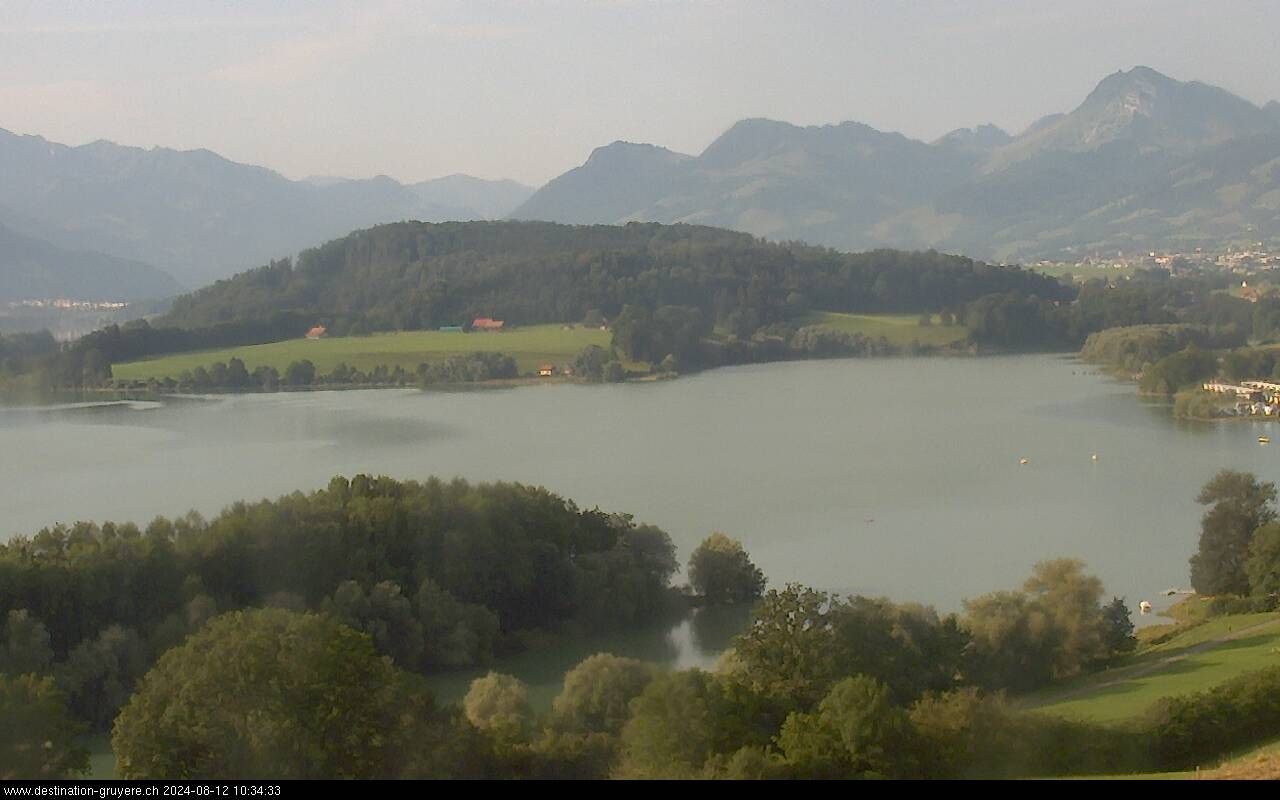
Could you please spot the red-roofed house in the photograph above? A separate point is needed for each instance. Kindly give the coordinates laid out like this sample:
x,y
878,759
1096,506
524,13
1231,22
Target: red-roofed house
x,y
316,333
486,324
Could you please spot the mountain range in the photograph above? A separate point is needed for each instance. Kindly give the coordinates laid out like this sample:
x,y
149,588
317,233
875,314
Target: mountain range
x,y
1144,162
200,217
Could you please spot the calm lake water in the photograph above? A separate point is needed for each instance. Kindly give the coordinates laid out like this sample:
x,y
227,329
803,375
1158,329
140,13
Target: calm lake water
x,y
895,477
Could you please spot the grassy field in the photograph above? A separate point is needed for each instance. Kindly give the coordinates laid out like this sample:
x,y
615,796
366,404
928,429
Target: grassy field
x,y
1081,273
102,762
899,329
529,346
1171,668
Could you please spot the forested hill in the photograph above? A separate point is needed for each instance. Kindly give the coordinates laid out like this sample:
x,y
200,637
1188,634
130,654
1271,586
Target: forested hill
x,y
417,275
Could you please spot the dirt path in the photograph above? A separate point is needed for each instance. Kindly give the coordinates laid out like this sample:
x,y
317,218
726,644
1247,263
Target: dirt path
x,y
1144,669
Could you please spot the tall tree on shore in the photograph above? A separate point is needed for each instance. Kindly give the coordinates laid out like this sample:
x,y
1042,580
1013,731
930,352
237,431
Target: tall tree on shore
x,y
1240,504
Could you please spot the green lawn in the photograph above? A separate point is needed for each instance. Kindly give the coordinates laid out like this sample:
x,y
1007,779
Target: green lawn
x,y
1080,273
1111,697
899,329
102,762
529,346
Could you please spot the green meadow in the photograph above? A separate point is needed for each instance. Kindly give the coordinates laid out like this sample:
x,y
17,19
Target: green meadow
x,y
899,329
530,347
1170,668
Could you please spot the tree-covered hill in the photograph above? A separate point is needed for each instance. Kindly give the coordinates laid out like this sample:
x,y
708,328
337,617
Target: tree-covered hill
x,y
416,275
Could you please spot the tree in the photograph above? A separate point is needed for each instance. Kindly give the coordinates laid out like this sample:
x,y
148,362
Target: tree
x,y
1184,368
1240,505
274,694
597,693
721,571
300,373
613,372
801,642
1072,601
856,732
590,362
1263,563
454,633
39,740
1117,627
499,705
1054,628
788,649
385,614
100,673
237,374
25,646
683,719
1012,642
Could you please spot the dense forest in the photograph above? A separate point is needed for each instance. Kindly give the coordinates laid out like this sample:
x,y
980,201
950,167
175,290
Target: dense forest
x,y
288,638
412,275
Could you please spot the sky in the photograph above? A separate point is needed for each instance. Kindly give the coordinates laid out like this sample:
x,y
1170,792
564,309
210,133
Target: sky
x,y
527,89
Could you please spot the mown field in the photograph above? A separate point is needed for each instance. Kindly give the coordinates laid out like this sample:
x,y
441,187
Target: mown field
x,y
1080,273
899,329
1188,662
529,346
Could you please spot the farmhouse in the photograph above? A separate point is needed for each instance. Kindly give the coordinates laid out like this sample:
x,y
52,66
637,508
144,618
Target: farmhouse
x,y
486,324
317,332
546,370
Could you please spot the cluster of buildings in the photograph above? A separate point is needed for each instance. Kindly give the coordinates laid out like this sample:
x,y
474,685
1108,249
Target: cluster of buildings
x,y
1242,260
64,304
1254,398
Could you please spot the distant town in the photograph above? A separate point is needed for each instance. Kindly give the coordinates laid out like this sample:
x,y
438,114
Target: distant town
x,y
1238,260
65,304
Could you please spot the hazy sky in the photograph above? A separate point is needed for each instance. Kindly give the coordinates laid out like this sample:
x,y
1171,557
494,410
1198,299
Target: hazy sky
x,y
526,89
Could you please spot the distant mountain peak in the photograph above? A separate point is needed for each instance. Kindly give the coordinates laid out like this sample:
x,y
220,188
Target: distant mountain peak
x,y
1146,109
622,150
977,139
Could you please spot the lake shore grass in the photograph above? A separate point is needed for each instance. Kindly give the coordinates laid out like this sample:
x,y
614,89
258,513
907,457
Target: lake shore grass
x,y
530,347
1200,657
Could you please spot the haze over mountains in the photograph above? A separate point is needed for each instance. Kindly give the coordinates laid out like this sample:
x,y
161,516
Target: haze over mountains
x,y
1145,161
34,269
200,217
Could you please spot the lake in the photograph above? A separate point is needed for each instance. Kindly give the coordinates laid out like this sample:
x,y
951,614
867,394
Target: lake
x,y
895,477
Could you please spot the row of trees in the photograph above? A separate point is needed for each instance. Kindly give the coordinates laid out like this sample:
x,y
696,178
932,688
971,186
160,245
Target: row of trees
x,y
281,694
233,375
815,687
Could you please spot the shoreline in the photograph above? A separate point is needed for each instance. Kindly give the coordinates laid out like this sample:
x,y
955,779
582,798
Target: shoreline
x,y
141,391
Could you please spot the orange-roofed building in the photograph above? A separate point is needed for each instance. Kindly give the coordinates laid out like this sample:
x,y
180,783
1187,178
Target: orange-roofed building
x,y
317,332
486,324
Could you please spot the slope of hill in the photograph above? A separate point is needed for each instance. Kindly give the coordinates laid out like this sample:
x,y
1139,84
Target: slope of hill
x,y
617,182
32,269
201,216
409,276
1144,162
1151,110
